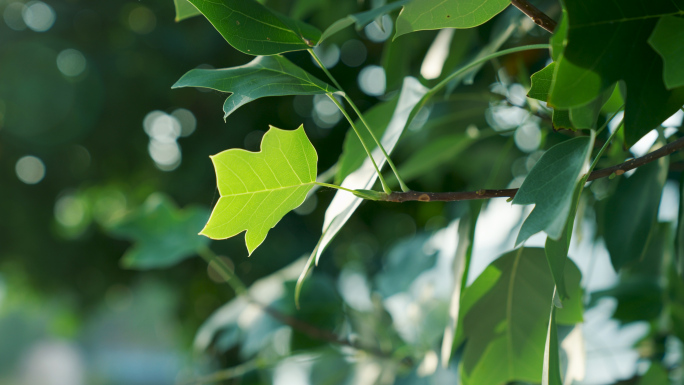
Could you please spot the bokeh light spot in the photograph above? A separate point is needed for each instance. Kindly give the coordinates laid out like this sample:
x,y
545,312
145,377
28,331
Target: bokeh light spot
x,y
379,30
141,20
13,16
353,53
70,211
187,121
372,80
38,16
30,169
71,62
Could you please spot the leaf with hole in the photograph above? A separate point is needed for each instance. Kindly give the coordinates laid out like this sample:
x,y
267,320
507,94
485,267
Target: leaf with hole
x,y
164,235
550,185
255,29
258,188
264,76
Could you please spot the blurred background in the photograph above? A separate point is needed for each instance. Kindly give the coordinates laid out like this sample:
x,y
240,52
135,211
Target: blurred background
x,y
102,165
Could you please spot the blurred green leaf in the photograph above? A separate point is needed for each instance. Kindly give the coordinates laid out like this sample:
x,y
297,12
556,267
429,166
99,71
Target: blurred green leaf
x,y
404,263
255,29
506,318
550,185
164,235
185,10
361,19
258,188
631,212
434,154
655,375
595,58
436,14
639,298
263,76
666,40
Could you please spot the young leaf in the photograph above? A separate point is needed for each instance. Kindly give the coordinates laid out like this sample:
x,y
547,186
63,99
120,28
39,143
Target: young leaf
x,y
164,235
667,40
594,58
258,188
185,10
361,19
506,316
263,76
420,15
631,213
550,185
255,29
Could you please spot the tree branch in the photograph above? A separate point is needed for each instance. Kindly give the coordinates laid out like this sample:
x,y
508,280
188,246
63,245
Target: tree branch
x,y
510,193
539,17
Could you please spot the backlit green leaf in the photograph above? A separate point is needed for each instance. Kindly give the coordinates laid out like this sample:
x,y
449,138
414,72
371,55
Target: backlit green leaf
x,y
506,318
667,41
595,58
164,234
255,29
436,14
550,185
258,188
185,9
263,76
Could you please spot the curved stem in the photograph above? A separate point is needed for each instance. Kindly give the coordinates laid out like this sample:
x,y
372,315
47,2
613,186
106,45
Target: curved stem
x,y
363,142
334,186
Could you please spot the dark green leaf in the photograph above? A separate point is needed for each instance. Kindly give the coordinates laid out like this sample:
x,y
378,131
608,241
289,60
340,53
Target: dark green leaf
x,y
506,318
595,58
655,375
631,212
434,154
258,188
164,235
256,30
437,14
185,9
361,19
263,76
550,185
667,41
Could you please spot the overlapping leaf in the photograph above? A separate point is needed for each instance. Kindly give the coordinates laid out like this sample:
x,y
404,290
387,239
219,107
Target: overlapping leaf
x,y
420,15
263,76
505,318
361,19
667,40
185,10
258,188
550,185
255,29
164,234
595,57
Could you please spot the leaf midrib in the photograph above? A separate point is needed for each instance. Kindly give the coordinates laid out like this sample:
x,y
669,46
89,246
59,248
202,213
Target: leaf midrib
x,y
269,190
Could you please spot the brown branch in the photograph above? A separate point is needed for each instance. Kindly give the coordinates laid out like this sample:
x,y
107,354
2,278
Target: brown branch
x,y
509,193
539,17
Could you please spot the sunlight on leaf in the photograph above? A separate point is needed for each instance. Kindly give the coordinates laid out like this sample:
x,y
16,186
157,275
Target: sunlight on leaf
x,y
185,10
258,188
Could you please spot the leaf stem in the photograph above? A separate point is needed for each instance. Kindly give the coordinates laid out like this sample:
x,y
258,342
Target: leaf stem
x,y
223,270
334,186
539,17
363,142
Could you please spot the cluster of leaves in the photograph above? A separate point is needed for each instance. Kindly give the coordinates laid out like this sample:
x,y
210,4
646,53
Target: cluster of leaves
x,y
605,56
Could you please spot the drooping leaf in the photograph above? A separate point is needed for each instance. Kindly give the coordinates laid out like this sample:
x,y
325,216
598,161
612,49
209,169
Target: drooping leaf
x,y
185,9
420,15
631,212
255,29
263,76
667,40
550,185
506,317
164,235
595,58
361,19
258,188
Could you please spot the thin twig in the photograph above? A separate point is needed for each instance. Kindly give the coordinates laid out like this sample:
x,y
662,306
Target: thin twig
x,y
539,17
510,193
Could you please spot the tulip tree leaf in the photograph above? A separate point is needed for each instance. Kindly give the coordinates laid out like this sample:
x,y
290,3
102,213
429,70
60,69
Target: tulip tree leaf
x,y
164,235
255,29
595,58
505,318
263,76
550,185
361,19
185,10
667,41
258,188
420,15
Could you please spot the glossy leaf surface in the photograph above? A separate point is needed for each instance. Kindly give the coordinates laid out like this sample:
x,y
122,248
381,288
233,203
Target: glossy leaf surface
x,y
255,29
164,234
550,185
263,76
436,14
258,188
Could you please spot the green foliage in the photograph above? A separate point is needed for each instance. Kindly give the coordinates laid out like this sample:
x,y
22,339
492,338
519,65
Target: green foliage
x,y
550,186
164,235
667,33
420,15
361,19
185,10
255,29
258,189
263,76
